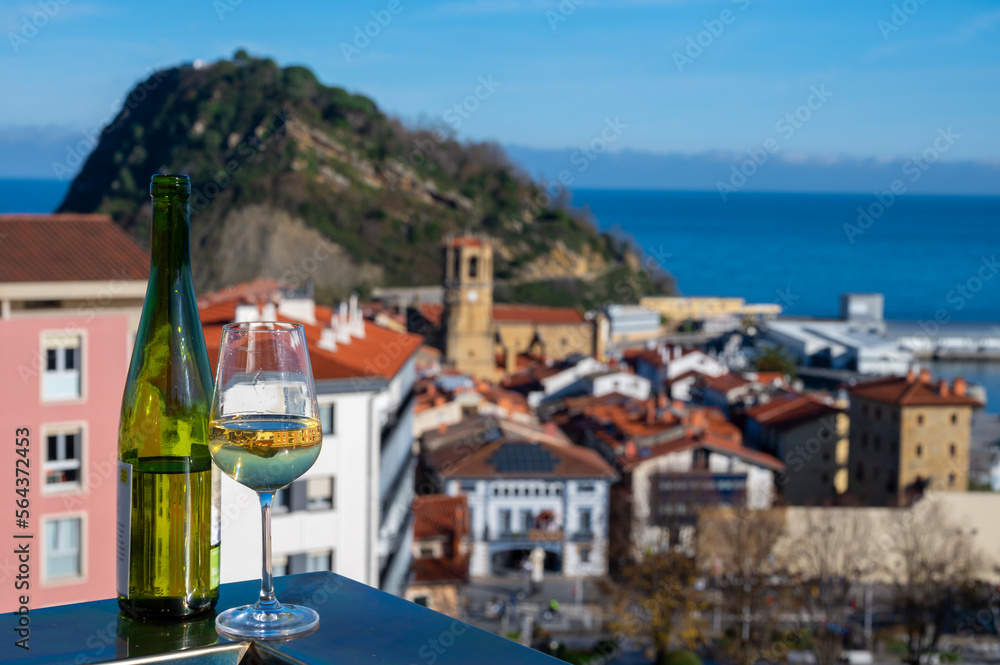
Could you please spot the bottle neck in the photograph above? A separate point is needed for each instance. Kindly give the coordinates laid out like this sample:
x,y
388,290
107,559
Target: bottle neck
x,y
171,252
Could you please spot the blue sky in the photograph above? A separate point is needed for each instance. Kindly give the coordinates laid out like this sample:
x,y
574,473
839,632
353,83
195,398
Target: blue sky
x,y
562,69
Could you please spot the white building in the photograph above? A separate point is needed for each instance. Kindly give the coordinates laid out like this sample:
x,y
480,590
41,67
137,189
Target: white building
x,y
527,487
350,513
666,365
587,376
840,345
630,323
676,479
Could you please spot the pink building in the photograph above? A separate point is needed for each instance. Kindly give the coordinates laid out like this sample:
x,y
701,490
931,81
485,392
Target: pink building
x,y
71,290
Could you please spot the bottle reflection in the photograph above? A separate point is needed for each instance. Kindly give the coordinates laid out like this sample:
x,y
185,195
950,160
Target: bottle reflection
x,y
137,638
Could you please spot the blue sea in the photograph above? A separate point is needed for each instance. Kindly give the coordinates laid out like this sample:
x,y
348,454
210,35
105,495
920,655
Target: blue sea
x,y
924,253
803,250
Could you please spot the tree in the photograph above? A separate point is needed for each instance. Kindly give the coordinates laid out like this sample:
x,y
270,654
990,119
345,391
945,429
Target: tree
x,y
774,359
930,561
739,543
656,598
831,556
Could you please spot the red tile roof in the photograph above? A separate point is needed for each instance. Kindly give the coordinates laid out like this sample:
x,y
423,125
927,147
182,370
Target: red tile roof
x,y
536,314
572,462
432,311
381,353
709,442
68,247
437,515
902,391
431,571
789,409
725,382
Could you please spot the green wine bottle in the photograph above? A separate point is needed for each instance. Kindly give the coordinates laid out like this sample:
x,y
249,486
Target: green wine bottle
x,y
168,488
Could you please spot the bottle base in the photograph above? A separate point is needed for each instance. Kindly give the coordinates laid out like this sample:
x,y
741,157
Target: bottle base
x,y
166,609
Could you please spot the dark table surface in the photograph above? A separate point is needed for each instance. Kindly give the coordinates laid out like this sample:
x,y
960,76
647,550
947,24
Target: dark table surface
x,y
358,624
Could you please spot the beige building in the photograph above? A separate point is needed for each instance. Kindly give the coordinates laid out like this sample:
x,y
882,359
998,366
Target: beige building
x,y
696,309
907,435
812,438
476,333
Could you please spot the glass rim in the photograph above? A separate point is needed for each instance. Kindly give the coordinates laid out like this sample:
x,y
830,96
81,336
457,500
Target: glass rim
x,y
263,326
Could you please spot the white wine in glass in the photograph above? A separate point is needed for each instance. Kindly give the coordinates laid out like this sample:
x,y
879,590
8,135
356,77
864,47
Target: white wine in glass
x,y
265,433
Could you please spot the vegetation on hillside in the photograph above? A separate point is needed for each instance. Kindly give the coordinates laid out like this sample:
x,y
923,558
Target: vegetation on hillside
x,y
251,133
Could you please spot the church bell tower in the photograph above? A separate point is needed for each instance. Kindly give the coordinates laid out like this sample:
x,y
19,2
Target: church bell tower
x,y
468,306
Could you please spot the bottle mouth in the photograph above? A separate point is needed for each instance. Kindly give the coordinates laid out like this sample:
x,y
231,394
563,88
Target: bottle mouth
x,y
170,185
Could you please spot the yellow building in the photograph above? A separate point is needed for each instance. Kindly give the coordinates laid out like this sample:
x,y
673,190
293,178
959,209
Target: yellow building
x,y
476,334
812,438
909,435
696,309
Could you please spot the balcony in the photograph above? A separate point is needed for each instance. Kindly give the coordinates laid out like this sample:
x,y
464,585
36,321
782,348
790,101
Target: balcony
x,y
533,535
582,536
353,618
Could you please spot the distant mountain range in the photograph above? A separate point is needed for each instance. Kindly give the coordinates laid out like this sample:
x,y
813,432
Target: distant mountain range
x,y
630,169
32,153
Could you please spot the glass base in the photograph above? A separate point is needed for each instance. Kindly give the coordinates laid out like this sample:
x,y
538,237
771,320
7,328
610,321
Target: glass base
x,y
259,624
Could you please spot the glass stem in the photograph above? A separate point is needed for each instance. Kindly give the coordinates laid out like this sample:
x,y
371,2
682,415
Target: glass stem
x,y
267,601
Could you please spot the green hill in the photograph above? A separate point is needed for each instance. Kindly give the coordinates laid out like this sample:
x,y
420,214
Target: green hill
x,y
293,179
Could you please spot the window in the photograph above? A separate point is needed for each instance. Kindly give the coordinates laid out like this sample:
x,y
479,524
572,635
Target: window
x,y
920,420
825,479
62,548
420,600
954,419
474,266
875,474
859,472
62,367
920,450
585,488
584,517
877,442
878,413
319,493
426,552
279,504
951,449
584,554
319,562
557,490
468,486
864,409
951,479
279,565
895,416
62,457
326,417
505,521
527,520
864,439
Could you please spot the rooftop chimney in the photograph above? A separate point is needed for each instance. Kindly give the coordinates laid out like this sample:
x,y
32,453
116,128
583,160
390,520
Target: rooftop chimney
x,y
910,376
959,386
327,339
343,327
269,312
357,321
925,376
943,387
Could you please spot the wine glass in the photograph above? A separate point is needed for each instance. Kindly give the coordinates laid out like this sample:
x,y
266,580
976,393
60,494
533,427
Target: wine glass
x,y
265,433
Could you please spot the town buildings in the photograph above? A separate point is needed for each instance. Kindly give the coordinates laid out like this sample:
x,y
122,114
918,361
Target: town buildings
x,y
908,435
350,513
527,487
678,309
71,292
440,552
475,333
811,437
